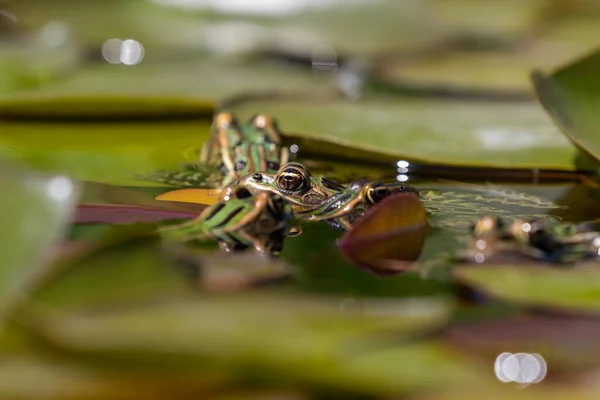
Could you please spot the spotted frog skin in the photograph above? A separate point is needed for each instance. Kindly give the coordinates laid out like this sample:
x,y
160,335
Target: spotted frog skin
x,y
232,151
295,184
343,208
237,150
535,238
238,221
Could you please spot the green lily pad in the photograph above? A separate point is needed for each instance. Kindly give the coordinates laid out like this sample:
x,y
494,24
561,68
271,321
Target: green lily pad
x,y
487,74
71,381
197,79
304,341
575,289
35,209
508,136
105,153
571,95
488,17
114,266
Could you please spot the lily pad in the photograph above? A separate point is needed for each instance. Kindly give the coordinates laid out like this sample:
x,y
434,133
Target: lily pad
x,y
550,336
71,381
390,236
117,265
568,289
261,333
466,134
486,74
106,153
571,95
196,79
35,210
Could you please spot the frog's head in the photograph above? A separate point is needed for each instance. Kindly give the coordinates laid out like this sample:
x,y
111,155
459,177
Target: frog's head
x,y
292,181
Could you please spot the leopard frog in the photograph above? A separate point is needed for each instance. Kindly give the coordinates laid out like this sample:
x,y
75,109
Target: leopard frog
x,y
238,221
555,242
295,184
341,209
237,150
232,151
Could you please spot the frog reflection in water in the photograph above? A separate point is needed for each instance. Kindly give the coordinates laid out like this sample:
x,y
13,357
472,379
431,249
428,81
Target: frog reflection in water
x,y
239,220
538,239
295,184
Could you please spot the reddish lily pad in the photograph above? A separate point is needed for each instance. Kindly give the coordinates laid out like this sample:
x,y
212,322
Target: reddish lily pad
x,y
389,237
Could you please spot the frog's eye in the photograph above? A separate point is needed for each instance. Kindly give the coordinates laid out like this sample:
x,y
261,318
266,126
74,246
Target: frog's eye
x,y
242,193
377,192
257,177
291,180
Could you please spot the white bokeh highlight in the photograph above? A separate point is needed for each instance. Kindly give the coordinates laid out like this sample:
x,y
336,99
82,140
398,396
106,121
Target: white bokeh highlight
x,y
127,52
523,368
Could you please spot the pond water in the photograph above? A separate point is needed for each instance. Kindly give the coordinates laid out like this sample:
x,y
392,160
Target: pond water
x,y
320,266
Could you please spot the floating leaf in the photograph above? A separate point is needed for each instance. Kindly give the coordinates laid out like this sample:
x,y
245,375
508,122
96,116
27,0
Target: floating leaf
x,y
102,107
110,153
110,214
34,211
511,136
390,236
261,333
550,336
58,380
570,289
199,196
116,266
571,95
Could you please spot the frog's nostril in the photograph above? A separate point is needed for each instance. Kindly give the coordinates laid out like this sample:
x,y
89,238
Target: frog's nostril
x,y
257,177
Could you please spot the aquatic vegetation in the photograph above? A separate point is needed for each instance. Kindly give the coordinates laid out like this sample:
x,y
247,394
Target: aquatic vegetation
x,y
417,224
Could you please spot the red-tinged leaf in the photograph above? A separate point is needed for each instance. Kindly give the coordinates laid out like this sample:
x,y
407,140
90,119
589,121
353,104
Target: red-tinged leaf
x,y
389,237
116,214
567,342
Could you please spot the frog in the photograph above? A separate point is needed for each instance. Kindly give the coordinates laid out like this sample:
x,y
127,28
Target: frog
x,y
238,221
232,151
238,151
542,240
343,208
295,184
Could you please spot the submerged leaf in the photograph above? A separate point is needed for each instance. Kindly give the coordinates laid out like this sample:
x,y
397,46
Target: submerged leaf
x,y
541,285
389,237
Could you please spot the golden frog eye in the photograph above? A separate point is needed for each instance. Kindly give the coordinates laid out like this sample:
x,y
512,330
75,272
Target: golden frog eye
x,y
377,192
291,180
